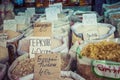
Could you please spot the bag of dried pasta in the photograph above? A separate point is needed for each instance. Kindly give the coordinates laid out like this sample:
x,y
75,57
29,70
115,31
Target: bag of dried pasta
x,y
99,60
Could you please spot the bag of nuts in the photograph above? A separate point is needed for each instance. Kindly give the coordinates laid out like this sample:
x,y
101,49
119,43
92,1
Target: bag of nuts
x,y
23,67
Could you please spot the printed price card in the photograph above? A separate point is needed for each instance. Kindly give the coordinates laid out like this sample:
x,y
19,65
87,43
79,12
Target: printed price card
x,y
89,19
39,45
91,35
9,25
47,67
42,29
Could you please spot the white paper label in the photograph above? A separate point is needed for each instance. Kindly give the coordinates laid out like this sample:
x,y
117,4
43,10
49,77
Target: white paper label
x,y
89,19
106,69
20,19
30,12
39,45
9,25
51,13
57,5
91,35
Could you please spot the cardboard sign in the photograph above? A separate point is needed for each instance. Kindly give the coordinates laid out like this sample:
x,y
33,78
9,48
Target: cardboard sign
x,y
39,45
91,35
89,19
42,29
9,25
47,67
52,13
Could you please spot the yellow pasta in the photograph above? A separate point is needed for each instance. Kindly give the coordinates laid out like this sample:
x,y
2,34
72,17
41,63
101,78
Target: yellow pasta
x,y
104,50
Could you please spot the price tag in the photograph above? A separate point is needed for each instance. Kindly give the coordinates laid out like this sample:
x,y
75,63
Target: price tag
x,y
47,67
57,5
21,22
39,45
91,35
30,12
42,29
51,13
20,19
9,25
89,19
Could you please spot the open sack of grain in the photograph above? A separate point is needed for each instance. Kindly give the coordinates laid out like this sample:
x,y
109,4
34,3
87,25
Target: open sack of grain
x,y
99,60
77,16
58,44
3,68
12,35
101,31
111,6
3,54
23,67
108,12
114,18
118,29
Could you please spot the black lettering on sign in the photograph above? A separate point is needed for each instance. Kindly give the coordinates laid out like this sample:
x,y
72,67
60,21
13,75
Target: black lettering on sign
x,y
44,72
47,66
40,42
42,27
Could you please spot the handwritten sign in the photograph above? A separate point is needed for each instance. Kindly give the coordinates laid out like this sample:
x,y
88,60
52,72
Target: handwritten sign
x,y
9,25
39,45
89,19
51,13
47,67
42,29
3,38
91,35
